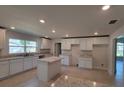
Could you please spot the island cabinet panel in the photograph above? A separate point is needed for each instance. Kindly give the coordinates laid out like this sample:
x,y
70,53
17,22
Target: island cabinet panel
x,y
4,69
16,66
48,68
28,63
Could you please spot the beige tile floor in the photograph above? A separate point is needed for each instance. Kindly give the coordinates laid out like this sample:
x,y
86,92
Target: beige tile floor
x,y
29,78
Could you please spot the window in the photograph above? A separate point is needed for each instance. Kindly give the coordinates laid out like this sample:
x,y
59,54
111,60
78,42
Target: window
x,y
120,49
31,46
16,46
21,46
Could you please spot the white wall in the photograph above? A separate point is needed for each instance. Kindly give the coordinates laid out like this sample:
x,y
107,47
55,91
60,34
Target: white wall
x,y
119,32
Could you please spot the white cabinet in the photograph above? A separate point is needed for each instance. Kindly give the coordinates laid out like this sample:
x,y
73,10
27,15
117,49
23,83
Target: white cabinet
x,y
65,59
86,44
28,63
85,63
2,38
65,44
34,59
101,40
4,69
16,66
45,43
73,41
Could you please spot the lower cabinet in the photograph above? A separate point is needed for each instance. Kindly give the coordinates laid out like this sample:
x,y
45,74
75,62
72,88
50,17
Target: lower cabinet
x,y
85,63
16,66
65,59
4,69
28,63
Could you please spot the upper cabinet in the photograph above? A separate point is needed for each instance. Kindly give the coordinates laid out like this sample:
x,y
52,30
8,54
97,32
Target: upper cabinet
x,y
86,44
73,41
101,40
45,43
65,44
2,38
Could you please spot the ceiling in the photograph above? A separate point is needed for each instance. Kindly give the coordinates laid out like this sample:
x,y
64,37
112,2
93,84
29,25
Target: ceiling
x,y
72,19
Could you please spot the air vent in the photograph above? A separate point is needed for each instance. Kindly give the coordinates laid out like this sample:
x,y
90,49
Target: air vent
x,y
113,21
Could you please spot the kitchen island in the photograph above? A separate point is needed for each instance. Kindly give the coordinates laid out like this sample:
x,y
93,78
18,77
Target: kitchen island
x,y
48,68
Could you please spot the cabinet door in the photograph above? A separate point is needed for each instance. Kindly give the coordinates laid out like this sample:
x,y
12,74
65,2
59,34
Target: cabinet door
x,y
65,60
66,45
4,69
28,63
83,44
101,40
16,66
46,44
63,45
89,44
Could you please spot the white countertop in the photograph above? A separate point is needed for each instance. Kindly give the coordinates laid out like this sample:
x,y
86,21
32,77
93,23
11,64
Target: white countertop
x,y
50,59
10,58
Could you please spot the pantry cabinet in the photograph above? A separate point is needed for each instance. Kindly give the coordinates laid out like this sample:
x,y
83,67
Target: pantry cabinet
x,y
4,69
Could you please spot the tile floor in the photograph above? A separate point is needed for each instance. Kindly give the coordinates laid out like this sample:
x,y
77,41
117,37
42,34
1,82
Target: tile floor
x,y
74,77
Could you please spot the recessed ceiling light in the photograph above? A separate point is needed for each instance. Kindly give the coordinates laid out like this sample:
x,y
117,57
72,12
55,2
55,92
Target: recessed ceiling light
x,y
42,21
96,33
67,35
53,31
12,27
106,7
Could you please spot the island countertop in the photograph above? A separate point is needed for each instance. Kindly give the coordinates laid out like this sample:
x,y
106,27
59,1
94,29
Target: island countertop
x,y
50,59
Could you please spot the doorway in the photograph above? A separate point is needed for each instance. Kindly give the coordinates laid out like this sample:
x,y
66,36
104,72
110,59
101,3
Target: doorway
x,y
57,49
119,58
